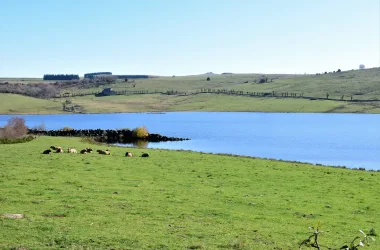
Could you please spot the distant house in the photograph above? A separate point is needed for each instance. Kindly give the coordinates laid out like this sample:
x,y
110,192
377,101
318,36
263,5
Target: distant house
x,y
106,92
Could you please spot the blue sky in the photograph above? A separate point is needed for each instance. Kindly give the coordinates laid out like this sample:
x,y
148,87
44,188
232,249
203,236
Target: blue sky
x,y
178,37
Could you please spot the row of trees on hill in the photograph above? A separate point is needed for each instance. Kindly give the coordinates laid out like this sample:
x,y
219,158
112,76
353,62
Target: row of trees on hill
x,y
93,75
60,77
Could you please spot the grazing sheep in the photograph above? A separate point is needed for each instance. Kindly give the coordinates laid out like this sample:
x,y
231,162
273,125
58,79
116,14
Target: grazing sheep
x,y
83,151
59,150
102,152
128,154
46,152
71,150
145,155
53,147
89,150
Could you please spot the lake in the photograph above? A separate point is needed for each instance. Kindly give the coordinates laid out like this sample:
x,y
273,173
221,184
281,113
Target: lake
x,y
351,140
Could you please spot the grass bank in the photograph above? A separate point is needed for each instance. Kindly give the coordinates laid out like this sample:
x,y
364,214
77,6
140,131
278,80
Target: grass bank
x,y
175,200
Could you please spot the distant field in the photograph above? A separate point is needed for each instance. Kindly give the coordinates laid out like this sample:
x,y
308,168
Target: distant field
x,y
176,200
16,104
358,84
212,102
11,104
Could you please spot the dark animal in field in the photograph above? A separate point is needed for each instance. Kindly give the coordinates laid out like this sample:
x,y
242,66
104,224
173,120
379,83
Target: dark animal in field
x,y
83,151
103,152
59,150
46,152
89,150
53,147
128,154
145,155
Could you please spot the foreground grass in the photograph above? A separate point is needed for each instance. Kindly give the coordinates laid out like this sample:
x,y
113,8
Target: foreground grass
x,y
175,200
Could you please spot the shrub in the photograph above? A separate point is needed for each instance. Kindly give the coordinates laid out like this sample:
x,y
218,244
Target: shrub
x,y
140,132
208,78
18,140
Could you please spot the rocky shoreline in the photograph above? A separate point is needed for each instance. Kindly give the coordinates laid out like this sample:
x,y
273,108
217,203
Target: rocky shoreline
x,y
106,135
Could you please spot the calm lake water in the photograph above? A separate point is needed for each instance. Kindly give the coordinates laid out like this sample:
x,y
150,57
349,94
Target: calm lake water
x,y
351,140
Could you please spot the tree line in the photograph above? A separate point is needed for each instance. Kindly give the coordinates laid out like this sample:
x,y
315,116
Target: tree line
x,y
60,77
93,75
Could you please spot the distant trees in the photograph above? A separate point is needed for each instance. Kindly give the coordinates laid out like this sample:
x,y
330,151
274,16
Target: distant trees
x,y
93,75
61,77
361,66
107,78
40,90
339,71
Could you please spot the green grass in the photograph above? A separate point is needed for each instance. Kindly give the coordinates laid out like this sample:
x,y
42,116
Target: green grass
x,y
175,200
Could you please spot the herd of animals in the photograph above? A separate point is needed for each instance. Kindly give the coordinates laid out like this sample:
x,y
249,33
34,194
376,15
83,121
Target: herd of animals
x,y
57,149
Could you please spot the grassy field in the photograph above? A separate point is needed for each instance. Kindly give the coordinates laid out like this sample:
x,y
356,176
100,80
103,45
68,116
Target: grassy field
x,y
360,84
176,200
17,104
212,102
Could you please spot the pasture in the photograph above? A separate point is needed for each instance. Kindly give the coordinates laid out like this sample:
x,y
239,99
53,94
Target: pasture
x,y
357,84
175,200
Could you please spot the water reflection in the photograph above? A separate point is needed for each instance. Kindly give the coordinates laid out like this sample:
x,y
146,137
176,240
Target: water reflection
x,y
140,144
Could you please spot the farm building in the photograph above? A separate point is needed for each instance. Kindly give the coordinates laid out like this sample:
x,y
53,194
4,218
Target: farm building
x,y
106,92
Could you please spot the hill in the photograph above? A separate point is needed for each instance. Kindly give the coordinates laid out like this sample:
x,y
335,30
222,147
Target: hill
x,y
355,91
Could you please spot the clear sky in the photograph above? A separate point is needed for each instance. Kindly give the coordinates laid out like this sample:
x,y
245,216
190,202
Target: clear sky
x,y
182,37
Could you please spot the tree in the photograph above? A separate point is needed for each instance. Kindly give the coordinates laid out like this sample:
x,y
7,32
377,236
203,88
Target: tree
x,y
208,78
339,71
361,66
15,128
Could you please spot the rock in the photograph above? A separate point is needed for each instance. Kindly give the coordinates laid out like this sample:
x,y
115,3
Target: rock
x,y
14,216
